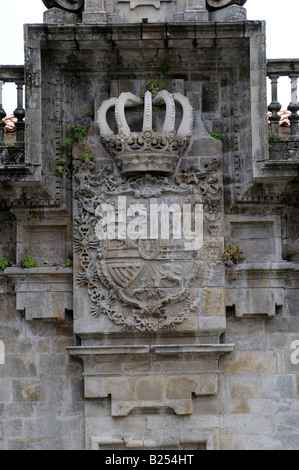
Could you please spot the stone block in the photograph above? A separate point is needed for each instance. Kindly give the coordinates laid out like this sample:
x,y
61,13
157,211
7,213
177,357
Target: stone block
x,y
94,18
253,301
150,388
214,302
48,240
279,386
20,365
182,387
28,390
45,294
13,428
208,384
5,390
287,423
212,248
196,15
259,237
245,387
58,16
21,410
205,146
251,362
52,366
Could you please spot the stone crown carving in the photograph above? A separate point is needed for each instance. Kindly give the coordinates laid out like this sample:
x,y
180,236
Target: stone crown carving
x,y
146,151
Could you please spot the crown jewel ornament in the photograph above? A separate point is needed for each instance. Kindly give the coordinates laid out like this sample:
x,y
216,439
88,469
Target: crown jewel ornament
x,y
146,151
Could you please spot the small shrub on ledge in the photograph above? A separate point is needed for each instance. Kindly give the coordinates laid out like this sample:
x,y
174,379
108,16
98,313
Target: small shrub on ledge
x,y
154,86
67,263
5,264
28,262
232,254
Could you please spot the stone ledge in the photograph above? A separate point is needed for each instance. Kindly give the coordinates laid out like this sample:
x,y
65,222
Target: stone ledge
x,y
198,349
280,170
133,32
151,440
43,293
255,301
257,289
268,266
151,377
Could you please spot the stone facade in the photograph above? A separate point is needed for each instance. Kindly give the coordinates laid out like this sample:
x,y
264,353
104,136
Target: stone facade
x,y
129,342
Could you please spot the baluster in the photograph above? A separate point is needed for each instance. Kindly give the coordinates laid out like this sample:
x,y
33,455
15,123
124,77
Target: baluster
x,y
294,107
2,115
19,114
274,106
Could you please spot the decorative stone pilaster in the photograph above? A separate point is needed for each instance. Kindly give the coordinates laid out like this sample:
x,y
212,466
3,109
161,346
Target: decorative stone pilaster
x,y
196,11
94,12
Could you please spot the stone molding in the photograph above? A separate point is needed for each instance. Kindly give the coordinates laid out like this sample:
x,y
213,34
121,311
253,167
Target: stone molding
x,y
42,293
158,439
151,378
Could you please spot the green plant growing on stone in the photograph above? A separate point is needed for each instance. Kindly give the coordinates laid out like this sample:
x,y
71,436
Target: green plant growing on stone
x,y
28,262
65,142
66,263
60,165
164,68
78,134
5,264
91,113
86,157
272,135
232,254
216,136
154,86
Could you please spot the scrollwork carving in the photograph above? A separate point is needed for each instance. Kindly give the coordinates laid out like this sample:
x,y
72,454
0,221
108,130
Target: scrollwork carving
x,y
218,4
144,285
73,6
208,182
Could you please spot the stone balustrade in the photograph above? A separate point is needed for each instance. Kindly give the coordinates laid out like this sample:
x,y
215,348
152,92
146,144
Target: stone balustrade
x,y
13,74
277,68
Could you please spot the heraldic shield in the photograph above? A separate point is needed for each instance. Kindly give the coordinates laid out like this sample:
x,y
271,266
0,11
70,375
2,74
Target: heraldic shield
x,y
137,282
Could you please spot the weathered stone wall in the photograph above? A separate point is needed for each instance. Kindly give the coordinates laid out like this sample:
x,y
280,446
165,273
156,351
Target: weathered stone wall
x,y
226,383
40,385
258,397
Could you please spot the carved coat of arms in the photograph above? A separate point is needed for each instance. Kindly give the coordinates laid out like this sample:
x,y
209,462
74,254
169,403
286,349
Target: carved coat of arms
x,y
139,237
